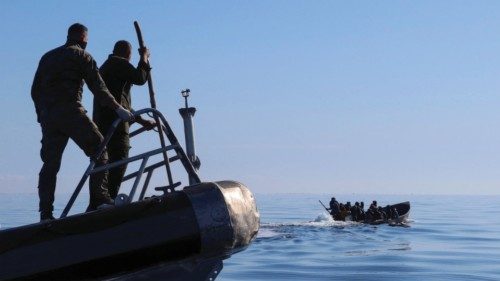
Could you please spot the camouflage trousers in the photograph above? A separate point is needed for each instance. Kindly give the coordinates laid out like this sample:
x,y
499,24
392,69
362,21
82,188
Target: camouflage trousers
x,y
59,124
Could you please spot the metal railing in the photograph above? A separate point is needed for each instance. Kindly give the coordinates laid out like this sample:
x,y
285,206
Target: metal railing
x,y
163,128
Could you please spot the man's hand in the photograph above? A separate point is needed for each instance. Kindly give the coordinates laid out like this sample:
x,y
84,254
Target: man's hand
x,y
124,114
144,54
147,124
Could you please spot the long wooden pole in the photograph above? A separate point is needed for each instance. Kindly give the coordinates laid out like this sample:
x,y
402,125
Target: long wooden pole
x,y
324,206
153,104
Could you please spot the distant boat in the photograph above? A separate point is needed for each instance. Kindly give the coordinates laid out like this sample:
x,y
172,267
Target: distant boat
x,y
402,208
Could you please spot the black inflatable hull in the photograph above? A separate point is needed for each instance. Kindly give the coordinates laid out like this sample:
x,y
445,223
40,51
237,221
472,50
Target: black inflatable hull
x,y
184,232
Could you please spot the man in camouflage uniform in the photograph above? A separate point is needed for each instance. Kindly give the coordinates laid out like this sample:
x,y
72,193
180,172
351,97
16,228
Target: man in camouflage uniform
x,y
57,92
119,75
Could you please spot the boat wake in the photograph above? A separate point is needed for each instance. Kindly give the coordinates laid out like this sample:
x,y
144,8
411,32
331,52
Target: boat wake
x,y
323,217
322,220
268,233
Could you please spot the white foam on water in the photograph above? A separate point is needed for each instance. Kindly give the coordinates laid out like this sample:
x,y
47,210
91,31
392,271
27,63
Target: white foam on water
x,y
267,233
325,220
323,217
322,220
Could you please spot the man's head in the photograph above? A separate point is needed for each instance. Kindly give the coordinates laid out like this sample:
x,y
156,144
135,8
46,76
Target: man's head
x,y
123,49
77,32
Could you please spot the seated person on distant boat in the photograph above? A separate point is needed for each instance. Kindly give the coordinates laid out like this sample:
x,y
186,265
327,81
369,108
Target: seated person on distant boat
x,y
392,212
395,214
334,207
361,211
382,214
348,205
372,214
369,215
388,211
357,212
353,212
344,212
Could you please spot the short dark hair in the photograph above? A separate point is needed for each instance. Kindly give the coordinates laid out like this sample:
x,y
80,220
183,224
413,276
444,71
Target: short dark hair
x,y
76,30
122,48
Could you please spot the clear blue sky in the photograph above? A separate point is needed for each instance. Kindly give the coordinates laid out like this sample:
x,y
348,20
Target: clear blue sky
x,y
292,96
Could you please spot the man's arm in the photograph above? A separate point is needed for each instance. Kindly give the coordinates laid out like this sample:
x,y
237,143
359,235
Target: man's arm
x,y
139,75
146,123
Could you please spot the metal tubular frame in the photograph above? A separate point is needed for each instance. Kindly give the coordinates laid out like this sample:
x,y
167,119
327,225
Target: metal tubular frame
x,y
180,155
146,183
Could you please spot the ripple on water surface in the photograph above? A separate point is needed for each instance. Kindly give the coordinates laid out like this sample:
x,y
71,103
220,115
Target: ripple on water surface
x,y
439,244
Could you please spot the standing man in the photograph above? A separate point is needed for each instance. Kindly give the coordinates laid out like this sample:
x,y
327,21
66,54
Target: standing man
x,y
57,94
119,75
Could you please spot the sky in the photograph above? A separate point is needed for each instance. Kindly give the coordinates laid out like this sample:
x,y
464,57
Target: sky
x,y
339,97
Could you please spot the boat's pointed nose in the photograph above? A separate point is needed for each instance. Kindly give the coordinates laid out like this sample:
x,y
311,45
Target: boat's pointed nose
x,y
243,211
227,215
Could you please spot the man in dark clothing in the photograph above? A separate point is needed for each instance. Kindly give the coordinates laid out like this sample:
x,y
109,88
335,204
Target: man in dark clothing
x,y
119,75
382,214
395,214
362,214
355,212
334,207
388,211
57,92
369,216
348,205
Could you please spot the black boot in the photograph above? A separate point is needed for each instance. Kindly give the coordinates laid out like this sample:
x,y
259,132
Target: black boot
x,y
46,216
107,204
101,203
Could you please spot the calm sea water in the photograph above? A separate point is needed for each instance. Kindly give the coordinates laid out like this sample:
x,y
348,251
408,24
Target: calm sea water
x,y
448,238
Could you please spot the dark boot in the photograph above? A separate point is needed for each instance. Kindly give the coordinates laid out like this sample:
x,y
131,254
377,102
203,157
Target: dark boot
x,y
107,204
98,194
102,202
46,216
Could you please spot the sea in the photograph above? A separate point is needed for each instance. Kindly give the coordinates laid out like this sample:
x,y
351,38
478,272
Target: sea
x,y
446,238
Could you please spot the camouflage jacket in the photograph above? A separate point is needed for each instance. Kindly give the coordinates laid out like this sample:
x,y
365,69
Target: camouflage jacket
x,y
61,75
